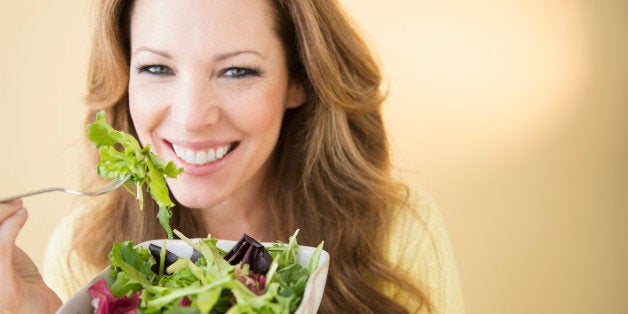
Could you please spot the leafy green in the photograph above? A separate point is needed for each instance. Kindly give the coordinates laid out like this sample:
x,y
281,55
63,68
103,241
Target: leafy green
x,y
143,166
285,255
131,268
316,256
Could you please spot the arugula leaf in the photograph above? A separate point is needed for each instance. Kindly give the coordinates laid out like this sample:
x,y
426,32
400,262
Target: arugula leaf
x,y
316,256
283,254
144,166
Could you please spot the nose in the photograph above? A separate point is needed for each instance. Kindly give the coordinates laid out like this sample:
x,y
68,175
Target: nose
x,y
194,108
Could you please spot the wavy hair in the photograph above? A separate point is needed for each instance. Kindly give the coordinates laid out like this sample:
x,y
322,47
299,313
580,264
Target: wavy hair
x,y
331,176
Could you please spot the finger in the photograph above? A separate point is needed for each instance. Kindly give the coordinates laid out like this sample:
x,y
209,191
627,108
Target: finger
x,y
10,227
15,201
25,266
7,209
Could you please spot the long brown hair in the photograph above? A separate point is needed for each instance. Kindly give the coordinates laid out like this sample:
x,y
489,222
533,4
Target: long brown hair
x,y
332,171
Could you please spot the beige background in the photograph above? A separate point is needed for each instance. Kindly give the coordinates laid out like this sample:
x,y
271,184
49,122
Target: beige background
x,y
511,113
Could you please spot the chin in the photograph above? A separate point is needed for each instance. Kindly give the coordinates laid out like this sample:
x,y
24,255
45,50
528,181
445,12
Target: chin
x,y
193,200
189,201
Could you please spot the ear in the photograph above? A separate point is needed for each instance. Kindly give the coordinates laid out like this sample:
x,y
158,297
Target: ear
x,y
296,94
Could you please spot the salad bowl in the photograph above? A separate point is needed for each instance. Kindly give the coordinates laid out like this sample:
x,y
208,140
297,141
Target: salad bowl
x,y
81,301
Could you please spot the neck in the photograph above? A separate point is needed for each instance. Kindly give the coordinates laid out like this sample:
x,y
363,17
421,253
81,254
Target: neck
x,y
247,213
232,225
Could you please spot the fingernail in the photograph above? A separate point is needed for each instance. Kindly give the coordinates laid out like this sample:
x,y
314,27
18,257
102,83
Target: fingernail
x,y
21,211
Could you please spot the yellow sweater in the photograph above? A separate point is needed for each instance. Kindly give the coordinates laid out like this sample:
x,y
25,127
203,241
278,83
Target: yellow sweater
x,y
419,246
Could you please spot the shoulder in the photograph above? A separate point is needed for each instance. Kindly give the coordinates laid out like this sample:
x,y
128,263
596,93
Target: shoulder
x,y
418,232
419,245
62,269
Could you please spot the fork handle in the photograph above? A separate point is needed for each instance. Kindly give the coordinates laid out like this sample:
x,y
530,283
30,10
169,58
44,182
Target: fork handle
x,y
14,197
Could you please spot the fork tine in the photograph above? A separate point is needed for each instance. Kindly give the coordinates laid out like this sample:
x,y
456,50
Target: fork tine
x,y
114,184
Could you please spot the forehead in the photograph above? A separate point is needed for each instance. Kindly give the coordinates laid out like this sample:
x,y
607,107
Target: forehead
x,y
202,23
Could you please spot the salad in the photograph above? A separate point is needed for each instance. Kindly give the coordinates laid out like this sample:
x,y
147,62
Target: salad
x,y
249,278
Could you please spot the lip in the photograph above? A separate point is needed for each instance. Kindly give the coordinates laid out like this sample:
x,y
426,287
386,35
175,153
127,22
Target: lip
x,y
200,145
201,170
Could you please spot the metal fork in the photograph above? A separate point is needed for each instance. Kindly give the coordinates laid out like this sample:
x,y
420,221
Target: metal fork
x,y
114,184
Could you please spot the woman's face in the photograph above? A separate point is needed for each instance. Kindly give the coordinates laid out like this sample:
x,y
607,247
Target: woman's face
x,y
208,89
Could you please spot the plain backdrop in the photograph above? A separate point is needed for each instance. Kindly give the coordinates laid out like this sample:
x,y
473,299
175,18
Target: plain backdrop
x,y
512,114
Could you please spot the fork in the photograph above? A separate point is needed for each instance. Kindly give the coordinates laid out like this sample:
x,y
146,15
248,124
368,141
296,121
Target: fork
x,y
114,184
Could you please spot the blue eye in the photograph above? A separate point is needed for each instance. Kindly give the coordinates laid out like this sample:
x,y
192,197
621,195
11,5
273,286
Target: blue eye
x,y
240,72
155,69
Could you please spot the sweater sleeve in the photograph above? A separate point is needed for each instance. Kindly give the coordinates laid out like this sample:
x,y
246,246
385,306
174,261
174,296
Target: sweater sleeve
x,y
420,247
62,269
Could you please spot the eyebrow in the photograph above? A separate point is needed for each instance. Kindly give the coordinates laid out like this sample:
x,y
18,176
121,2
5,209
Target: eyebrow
x,y
218,57
155,51
231,54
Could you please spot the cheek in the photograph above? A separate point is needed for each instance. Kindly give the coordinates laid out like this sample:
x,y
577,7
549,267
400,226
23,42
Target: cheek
x,y
261,111
144,110
138,116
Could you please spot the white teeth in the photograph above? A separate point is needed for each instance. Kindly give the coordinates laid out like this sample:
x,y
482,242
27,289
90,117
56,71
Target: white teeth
x,y
201,157
189,155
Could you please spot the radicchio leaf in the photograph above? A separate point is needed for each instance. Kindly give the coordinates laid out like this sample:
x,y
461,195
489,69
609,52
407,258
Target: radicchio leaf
x,y
106,303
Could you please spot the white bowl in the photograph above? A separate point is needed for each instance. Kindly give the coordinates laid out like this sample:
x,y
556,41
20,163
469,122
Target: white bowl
x,y
80,302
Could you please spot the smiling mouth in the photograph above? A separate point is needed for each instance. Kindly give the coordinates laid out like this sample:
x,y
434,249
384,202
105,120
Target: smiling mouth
x,y
202,157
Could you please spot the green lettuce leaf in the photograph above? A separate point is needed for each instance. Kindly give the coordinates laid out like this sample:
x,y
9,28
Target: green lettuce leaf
x,y
143,166
131,267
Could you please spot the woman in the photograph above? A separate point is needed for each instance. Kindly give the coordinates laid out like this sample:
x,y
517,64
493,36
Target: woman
x,y
273,108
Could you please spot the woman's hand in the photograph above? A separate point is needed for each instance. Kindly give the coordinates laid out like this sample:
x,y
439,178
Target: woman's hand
x,y
23,289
